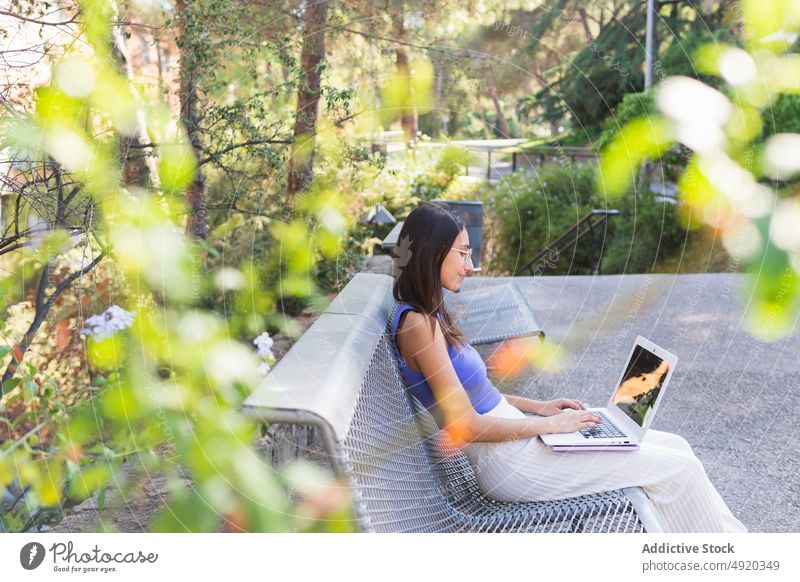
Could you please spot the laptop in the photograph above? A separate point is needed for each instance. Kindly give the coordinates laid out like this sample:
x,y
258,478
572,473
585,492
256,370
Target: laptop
x,y
632,406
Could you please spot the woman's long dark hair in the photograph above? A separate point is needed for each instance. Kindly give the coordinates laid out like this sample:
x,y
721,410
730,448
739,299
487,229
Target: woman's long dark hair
x,y
422,246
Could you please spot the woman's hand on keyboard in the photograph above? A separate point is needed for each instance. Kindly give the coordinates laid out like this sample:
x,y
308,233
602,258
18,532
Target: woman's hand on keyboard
x,y
570,420
551,407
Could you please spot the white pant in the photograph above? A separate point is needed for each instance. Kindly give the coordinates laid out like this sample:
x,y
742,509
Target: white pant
x,y
665,467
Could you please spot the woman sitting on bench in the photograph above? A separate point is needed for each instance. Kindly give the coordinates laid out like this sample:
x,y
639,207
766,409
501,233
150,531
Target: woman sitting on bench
x,y
448,376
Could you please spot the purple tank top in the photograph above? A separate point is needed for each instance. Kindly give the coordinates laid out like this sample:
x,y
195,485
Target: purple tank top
x,y
469,367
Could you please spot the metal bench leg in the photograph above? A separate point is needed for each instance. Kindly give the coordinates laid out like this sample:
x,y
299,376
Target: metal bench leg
x,y
645,510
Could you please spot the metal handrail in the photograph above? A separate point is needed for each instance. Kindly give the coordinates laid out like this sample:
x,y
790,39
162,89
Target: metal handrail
x,y
567,240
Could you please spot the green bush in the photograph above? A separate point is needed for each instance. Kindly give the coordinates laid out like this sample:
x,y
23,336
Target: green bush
x,y
453,162
783,116
527,210
429,186
646,233
632,106
332,274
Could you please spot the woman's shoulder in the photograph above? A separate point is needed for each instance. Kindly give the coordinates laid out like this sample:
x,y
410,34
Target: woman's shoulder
x,y
413,319
417,325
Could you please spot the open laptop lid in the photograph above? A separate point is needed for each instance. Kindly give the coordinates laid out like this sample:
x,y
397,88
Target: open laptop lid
x,y
641,385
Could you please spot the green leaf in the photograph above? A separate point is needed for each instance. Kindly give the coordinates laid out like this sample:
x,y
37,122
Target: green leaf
x,y
9,385
642,139
177,166
101,497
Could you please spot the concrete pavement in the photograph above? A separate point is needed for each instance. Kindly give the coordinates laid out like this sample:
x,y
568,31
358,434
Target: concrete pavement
x,y
734,398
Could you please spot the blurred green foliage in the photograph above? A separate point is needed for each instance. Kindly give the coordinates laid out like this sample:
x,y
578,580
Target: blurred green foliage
x,y
741,174
591,77
168,390
782,116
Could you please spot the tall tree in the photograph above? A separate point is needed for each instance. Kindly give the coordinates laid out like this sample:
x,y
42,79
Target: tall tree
x,y
408,118
196,192
312,59
137,168
600,53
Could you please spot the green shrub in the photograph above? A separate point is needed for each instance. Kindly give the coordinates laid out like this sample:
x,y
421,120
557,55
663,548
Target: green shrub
x,y
783,116
453,162
527,210
646,233
429,186
332,274
632,106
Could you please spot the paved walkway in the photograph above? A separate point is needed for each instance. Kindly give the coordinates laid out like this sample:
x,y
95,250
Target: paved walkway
x,y
483,151
735,399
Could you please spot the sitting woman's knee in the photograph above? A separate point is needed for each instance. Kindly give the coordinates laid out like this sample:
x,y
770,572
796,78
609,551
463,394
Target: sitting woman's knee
x,y
683,443
679,443
691,465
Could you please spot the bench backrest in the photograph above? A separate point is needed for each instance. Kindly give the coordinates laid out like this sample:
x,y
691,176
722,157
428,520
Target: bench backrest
x,y
322,373
395,486
343,372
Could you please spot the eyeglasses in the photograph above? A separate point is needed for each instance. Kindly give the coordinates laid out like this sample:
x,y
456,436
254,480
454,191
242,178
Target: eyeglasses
x,y
467,254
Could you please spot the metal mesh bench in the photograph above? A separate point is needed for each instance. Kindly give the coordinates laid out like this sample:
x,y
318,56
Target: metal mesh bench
x,y
488,310
405,475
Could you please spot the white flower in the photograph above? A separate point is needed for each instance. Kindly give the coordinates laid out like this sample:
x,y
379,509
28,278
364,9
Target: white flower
x,y
737,67
333,220
781,155
75,76
229,279
698,111
109,322
783,228
198,326
229,362
264,345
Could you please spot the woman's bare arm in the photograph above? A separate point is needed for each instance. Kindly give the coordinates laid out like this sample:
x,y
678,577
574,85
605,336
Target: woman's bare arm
x,y
544,407
461,421
526,404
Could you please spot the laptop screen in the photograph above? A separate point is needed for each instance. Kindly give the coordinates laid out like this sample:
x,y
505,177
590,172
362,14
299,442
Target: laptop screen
x,y
641,383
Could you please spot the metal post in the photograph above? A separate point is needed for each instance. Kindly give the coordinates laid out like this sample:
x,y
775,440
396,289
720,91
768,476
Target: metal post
x,y
649,48
489,165
591,237
602,245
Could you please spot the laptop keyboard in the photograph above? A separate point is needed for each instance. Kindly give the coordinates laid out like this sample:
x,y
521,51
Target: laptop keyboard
x,y
606,430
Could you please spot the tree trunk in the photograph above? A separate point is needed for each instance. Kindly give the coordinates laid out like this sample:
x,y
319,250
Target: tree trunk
x,y
441,115
196,192
138,169
501,119
408,117
487,131
301,162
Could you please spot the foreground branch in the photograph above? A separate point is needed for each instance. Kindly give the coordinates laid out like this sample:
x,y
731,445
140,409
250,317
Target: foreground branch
x,y
42,309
